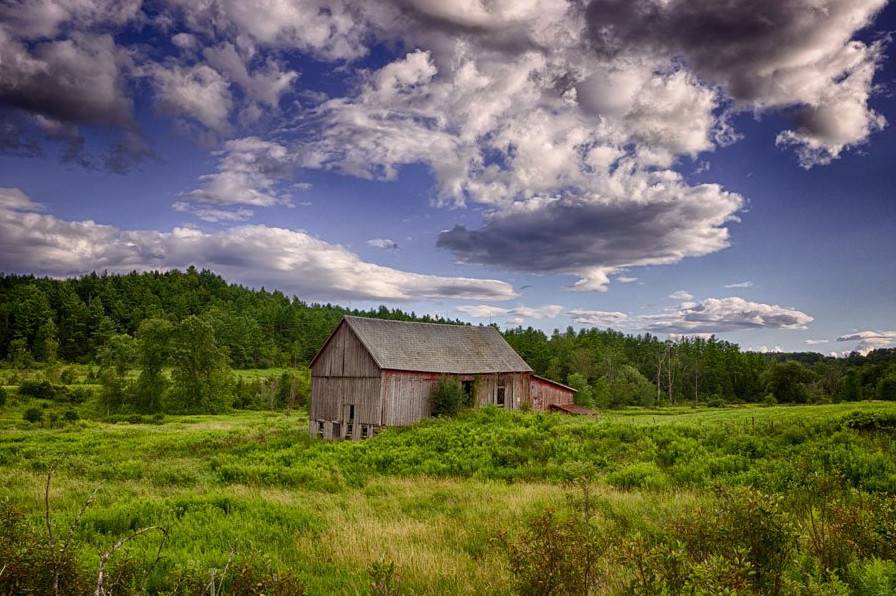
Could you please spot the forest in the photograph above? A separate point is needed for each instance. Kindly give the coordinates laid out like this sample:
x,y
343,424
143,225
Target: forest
x,y
168,340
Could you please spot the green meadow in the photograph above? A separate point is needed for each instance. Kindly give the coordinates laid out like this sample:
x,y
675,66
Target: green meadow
x,y
467,505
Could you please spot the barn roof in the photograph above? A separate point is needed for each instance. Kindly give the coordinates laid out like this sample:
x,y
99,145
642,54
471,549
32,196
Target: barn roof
x,y
435,347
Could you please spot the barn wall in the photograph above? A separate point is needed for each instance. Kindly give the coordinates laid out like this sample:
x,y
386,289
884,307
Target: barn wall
x,y
516,389
406,396
545,394
344,356
345,373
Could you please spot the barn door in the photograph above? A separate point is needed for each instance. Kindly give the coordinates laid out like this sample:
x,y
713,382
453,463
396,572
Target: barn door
x,y
348,417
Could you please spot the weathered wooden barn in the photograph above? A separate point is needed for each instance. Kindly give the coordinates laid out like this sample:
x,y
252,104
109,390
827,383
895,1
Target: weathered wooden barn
x,y
372,373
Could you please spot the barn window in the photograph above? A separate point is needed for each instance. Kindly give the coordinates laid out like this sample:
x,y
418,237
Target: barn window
x,y
365,431
320,429
500,396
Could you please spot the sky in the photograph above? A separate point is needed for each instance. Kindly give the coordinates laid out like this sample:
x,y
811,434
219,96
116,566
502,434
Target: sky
x,y
677,167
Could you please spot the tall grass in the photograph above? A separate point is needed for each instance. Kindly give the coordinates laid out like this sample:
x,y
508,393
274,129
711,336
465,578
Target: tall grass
x,y
253,490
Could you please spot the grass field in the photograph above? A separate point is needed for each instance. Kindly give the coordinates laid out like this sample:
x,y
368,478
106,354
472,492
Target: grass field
x,y
435,499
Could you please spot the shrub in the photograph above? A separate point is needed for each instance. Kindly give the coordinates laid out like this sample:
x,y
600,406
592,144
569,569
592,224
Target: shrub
x,y
383,579
2,396
42,390
33,415
68,376
447,397
557,553
715,401
79,395
70,416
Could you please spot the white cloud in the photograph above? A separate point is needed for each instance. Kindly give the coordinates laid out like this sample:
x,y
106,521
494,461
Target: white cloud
x,y
720,315
599,318
626,279
518,313
383,243
815,342
766,349
251,172
741,284
264,84
774,54
212,214
870,340
292,260
198,91
681,295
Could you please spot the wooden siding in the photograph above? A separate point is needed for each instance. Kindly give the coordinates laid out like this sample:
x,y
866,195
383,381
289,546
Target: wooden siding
x,y
516,389
544,394
344,374
344,356
406,396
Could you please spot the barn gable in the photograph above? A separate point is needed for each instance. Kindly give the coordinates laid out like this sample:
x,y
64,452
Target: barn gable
x,y
344,355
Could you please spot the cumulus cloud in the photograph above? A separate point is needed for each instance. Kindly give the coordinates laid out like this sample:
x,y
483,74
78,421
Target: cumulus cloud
x,y
662,222
766,349
32,241
251,172
383,243
518,313
868,341
765,54
626,279
599,318
815,342
720,315
741,284
196,91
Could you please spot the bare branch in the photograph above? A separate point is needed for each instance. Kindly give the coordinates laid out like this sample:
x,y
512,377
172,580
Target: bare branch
x,y
104,558
47,506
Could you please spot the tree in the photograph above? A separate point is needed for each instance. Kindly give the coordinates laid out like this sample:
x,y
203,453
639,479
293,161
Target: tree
x,y
202,382
584,395
46,342
447,397
116,357
153,348
886,388
787,381
852,387
19,355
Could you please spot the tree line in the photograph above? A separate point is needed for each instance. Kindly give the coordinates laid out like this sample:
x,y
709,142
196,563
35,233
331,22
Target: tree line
x,y
199,326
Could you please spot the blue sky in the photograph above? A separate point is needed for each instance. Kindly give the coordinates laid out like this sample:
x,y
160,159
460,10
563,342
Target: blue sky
x,y
520,162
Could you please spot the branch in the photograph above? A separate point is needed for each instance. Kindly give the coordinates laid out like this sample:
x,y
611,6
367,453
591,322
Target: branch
x,y
47,506
104,558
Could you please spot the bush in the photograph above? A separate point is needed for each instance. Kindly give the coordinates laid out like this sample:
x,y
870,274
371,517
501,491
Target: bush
x,y
2,396
70,416
448,397
33,415
41,390
79,395
68,376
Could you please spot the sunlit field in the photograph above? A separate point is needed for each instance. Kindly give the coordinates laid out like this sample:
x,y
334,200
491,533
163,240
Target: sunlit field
x,y
442,502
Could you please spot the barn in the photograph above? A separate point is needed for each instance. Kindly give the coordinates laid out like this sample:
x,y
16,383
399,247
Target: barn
x,y
372,373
